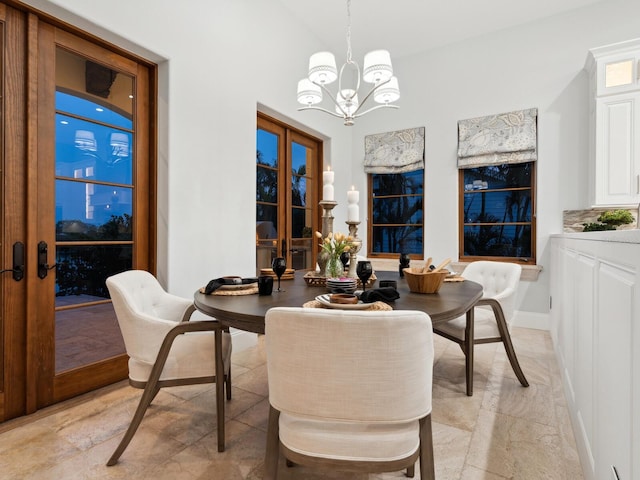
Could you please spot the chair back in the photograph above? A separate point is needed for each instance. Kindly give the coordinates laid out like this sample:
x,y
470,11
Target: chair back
x,y
499,280
145,312
350,365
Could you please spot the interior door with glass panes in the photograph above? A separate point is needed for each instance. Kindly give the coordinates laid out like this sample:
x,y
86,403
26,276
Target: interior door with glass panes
x,y
93,207
77,196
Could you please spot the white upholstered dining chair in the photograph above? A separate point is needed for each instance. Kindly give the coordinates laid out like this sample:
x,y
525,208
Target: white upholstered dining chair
x,y
165,349
492,314
349,390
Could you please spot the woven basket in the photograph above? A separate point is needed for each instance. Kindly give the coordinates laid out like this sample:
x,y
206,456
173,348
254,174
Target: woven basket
x,y
424,282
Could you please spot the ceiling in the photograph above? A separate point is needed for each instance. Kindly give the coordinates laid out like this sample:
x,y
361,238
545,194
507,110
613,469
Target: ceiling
x,y
407,27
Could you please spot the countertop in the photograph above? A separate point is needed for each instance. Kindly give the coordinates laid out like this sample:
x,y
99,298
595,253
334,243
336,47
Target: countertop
x,y
618,236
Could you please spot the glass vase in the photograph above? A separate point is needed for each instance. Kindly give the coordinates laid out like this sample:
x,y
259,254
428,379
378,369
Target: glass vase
x,y
335,269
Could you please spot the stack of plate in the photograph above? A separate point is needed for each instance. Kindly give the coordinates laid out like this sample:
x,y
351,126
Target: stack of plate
x,y
342,285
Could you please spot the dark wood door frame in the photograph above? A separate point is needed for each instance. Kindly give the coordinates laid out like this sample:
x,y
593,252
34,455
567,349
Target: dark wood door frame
x,y
28,380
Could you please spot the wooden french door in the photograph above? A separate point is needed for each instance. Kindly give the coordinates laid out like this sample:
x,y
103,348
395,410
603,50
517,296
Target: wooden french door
x,y
77,202
288,166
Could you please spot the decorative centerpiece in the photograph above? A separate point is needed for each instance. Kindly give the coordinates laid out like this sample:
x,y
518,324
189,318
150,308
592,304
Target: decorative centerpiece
x,y
424,281
335,244
427,279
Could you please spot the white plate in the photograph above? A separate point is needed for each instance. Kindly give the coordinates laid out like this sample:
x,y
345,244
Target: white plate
x,y
326,300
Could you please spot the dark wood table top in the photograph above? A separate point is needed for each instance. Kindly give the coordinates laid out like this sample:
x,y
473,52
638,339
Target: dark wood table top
x,y
246,312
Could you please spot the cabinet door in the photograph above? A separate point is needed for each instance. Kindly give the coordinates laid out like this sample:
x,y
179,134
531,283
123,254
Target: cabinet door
x,y
618,149
614,430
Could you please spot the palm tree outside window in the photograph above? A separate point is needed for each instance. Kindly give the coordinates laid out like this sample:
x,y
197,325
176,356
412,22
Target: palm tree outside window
x,y
497,212
397,220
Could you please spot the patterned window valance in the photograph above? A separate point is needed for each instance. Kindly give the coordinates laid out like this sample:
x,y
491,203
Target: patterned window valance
x,y
394,152
498,139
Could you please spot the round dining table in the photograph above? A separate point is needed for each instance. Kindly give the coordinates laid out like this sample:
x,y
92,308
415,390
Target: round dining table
x,y
247,312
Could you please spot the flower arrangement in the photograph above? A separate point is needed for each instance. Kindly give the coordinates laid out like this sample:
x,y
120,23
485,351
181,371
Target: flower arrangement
x,y
334,245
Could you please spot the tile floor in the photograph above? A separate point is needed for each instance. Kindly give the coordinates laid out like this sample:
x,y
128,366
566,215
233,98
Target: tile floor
x,y
504,431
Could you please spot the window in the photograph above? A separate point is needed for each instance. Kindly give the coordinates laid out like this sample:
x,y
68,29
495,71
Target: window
x,y
497,212
618,73
396,214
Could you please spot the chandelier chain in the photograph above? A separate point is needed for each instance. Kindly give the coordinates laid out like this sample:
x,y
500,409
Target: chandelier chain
x,y
349,31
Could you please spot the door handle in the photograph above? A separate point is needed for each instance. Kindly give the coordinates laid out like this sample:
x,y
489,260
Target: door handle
x,y
43,266
18,262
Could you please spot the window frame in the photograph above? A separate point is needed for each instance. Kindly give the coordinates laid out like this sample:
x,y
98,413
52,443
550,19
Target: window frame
x,y
370,224
461,223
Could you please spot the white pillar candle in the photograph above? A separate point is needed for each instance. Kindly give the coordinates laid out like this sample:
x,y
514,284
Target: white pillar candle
x,y
327,185
353,211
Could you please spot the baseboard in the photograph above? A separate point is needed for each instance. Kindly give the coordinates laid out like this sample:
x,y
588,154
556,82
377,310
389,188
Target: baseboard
x,y
539,321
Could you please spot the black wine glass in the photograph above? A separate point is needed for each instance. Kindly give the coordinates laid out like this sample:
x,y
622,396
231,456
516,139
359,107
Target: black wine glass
x,y
364,269
279,266
405,261
344,258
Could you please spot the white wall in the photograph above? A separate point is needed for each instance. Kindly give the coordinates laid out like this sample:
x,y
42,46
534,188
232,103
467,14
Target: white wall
x,y
537,65
219,60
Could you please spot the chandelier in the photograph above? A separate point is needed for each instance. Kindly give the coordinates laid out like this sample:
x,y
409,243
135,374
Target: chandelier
x,y
377,70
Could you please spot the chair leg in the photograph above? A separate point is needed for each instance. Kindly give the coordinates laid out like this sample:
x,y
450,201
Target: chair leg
x,y
273,446
228,383
427,463
508,345
411,471
150,391
468,348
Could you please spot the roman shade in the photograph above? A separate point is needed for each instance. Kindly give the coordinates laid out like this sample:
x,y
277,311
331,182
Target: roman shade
x,y
504,138
394,152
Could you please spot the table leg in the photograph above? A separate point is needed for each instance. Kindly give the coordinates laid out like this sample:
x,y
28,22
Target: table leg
x,y
468,335
219,389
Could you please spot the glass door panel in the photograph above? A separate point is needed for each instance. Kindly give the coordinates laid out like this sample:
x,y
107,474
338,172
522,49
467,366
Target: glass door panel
x,y
267,197
94,204
301,211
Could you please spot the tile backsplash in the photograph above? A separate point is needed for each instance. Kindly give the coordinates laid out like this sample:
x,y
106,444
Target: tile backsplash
x,y
573,220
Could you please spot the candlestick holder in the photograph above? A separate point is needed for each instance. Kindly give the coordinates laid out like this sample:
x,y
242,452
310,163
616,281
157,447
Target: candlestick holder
x,y
327,227
355,248
327,216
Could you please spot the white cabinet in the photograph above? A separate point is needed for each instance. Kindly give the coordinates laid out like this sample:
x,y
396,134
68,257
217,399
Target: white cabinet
x,y
615,124
595,327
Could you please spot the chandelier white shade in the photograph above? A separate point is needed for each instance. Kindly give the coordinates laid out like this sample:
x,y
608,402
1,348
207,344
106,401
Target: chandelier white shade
x,y
322,68
377,71
387,93
309,93
377,67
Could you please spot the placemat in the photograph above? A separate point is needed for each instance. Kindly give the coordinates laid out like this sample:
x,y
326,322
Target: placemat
x,y
374,306
245,291
289,273
454,279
